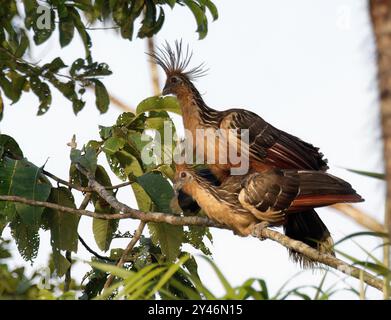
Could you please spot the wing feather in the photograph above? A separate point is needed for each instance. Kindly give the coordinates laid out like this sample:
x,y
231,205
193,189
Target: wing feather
x,y
272,146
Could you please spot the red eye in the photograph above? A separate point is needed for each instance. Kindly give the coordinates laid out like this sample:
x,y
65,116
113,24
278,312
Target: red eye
x,y
183,174
174,79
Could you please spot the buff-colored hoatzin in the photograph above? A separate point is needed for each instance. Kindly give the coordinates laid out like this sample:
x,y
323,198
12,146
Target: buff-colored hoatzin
x,y
271,198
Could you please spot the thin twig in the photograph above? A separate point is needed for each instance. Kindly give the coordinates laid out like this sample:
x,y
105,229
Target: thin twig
x,y
126,252
83,206
68,253
80,188
153,68
88,248
68,276
326,259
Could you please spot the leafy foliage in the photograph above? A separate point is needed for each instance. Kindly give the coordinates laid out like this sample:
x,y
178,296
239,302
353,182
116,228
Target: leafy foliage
x,y
15,283
39,22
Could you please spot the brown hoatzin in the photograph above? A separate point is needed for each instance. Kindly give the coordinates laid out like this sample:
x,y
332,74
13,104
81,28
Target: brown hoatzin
x,y
271,198
268,147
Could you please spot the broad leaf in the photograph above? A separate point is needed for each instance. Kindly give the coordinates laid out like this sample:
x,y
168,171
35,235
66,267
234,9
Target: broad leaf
x,y
60,263
63,226
10,148
26,238
21,178
101,96
169,237
103,229
169,104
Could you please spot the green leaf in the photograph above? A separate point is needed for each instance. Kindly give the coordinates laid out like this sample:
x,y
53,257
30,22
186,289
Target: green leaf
x,y
362,233
63,226
12,89
171,3
211,7
26,237
112,145
60,263
10,148
66,30
85,37
158,189
1,108
21,178
103,229
196,235
87,158
168,103
127,28
125,119
200,17
24,43
228,288
103,232
376,175
42,91
55,65
168,275
102,96
169,237
41,34
149,25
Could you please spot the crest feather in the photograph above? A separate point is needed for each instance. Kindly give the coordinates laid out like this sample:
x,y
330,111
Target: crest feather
x,y
176,60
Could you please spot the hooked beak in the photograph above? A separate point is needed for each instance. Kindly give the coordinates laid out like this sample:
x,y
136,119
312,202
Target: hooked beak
x,y
166,90
178,186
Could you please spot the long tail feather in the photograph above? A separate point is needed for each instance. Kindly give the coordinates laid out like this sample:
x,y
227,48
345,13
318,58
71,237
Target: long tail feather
x,y
307,227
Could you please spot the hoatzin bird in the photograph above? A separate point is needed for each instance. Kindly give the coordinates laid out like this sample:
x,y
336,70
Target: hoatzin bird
x,y
268,147
271,198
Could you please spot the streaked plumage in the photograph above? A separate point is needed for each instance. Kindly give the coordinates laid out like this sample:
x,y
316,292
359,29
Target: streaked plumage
x,y
274,196
268,148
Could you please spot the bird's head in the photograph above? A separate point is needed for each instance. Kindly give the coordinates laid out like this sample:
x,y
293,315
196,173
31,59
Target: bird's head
x,y
182,178
175,62
175,84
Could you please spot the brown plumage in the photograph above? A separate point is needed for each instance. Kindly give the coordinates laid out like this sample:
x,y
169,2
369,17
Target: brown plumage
x,y
268,147
274,196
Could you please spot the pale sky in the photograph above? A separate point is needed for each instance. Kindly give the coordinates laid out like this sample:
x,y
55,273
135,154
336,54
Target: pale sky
x,y
305,66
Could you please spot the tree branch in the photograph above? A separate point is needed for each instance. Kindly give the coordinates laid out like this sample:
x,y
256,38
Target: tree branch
x,y
326,259
360,217
127,251
128,212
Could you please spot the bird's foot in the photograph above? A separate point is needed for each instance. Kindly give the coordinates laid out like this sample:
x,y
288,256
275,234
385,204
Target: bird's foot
x,y
257,230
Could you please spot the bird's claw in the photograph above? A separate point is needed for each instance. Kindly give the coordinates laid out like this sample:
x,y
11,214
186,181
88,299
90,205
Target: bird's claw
x,y
257,230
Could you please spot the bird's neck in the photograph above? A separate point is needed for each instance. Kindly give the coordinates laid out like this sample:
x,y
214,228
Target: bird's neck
x,y
202,191
195,111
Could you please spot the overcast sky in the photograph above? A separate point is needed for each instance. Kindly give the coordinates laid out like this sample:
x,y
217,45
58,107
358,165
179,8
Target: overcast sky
x,y
305,66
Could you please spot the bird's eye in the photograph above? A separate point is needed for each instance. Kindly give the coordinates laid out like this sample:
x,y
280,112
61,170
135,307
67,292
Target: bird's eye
x,y
175,79
183,174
